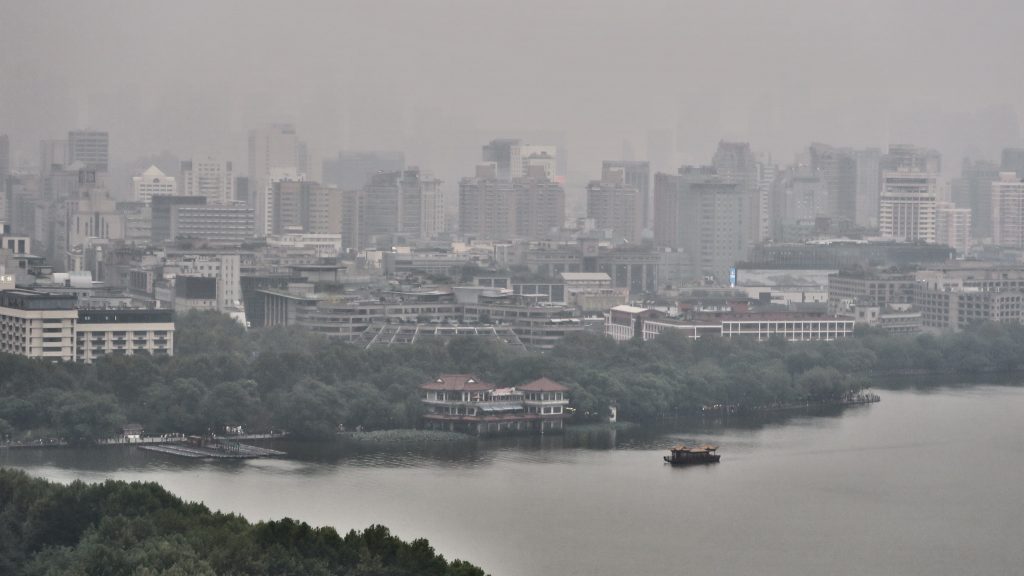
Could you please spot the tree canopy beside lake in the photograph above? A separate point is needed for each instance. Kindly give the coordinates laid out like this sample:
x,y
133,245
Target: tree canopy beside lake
x,y
116,528
293,379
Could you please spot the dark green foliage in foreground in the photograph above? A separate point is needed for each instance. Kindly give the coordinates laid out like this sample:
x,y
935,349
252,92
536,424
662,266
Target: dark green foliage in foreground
x,y
116,528
295,380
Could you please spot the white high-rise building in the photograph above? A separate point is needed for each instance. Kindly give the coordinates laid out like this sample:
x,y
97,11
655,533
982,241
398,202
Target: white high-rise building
x,y
209,177
1008,211
953,227
153,181
907,206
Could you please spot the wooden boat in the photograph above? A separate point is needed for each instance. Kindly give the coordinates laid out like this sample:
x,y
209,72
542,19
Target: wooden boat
x,y
683,455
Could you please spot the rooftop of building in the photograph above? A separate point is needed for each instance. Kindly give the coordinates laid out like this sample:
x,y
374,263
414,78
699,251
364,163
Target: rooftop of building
x,y
543,385
458,383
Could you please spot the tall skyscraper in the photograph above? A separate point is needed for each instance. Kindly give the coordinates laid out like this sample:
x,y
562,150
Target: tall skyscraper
x,y
275,152
868,185
837,168
209,177
514,159
635,174
1008,210
496,209
1013,161
421,205
352,170
91,148
616,206
907,206
973,190
953,227
704,214
734,162
152,181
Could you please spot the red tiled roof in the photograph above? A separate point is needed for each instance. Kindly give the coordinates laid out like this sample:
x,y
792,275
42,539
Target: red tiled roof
x,y
544,385
458,383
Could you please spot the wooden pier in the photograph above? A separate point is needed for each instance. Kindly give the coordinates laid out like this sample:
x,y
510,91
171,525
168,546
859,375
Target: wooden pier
x,y
218,449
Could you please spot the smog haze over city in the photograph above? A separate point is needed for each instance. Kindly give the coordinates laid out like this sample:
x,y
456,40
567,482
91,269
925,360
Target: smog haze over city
x,y
468,287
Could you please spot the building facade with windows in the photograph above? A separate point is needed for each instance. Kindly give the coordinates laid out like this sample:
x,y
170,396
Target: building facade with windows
x,y
123,332
37,324
464,403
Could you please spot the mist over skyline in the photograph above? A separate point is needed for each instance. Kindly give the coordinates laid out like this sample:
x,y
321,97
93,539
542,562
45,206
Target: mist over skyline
x,y
438,80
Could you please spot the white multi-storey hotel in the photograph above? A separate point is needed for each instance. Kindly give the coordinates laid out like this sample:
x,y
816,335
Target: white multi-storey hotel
x,y
41,325
907,206
151,182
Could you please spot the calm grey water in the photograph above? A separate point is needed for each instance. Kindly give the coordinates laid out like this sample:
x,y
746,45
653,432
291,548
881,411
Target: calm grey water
x,y
923,483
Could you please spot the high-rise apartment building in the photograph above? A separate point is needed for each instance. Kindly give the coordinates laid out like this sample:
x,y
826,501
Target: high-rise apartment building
x,y
275,153
910,158
735,162
487,206
837,168
151,182
306,207
907,205
1013,161
616,206
540,205
422,205
635,174
209,177
1008,210
91,148
352,170
513,159
704,214
973,190
868,167
953,227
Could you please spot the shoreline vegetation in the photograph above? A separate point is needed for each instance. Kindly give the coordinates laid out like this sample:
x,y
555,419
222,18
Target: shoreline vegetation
x,y
223,377
115,527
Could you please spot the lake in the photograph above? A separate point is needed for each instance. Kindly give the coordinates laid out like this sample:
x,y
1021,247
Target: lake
x,y
925,482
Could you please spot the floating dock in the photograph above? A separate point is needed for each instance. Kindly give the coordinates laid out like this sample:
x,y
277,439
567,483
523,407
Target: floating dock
x,y
223,450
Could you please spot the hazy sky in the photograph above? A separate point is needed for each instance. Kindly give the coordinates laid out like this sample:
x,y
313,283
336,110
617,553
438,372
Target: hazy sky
x,y
439,77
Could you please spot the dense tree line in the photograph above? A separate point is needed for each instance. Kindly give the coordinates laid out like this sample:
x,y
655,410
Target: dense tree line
x,y
291,379
117,528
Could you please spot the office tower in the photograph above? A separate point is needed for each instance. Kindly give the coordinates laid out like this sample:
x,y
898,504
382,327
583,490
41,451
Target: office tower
x,y
242,190
767,182
486,205
513,159
635,174
1013,161
5,171
275,153
89,147
152,181
704,214
421,208
307,207
379,210
973,190
953,227
540,204
734,162
499,151
868,185
616,206
907,205
837,168
353,170
910,158
162,208
209,177
1008,210
52,153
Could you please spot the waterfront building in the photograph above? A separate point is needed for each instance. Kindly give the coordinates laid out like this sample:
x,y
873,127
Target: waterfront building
x,y
123,332
624,323
37,324
464,403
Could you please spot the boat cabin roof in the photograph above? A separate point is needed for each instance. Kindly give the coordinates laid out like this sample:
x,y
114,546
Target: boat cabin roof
x,y
694,449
